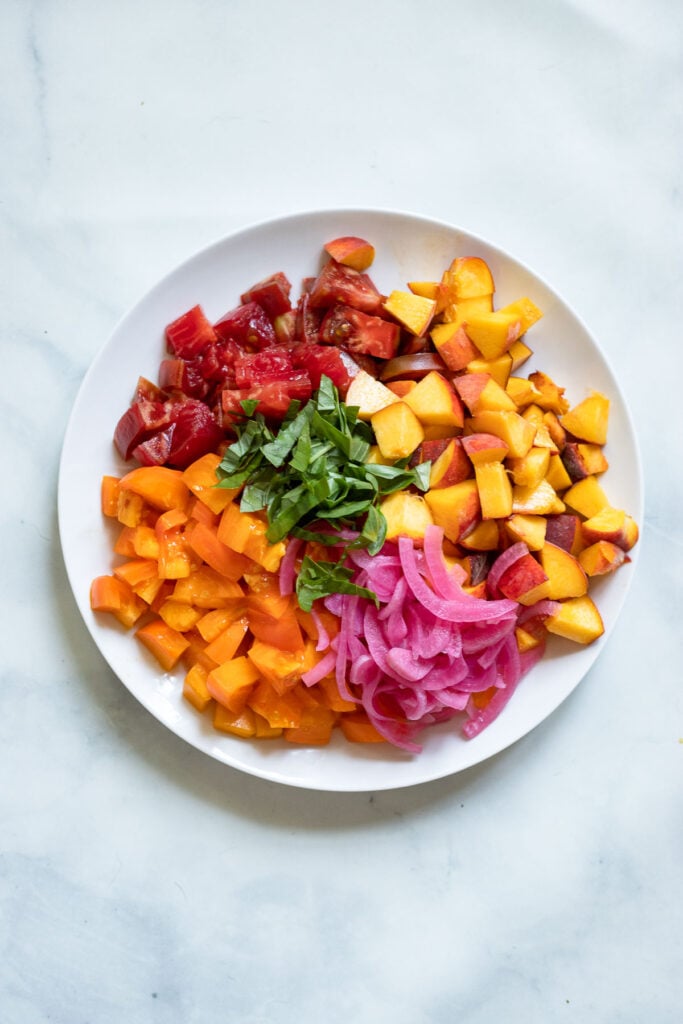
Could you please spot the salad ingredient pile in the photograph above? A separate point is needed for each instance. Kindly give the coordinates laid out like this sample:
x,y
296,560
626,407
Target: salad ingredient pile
x,y
353,512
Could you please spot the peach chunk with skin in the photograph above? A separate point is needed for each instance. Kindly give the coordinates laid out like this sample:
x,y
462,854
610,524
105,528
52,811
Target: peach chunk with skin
x,y
564,530
481,393
469,277
523,580
453,345
612,524
582,460
493,333
455,509
512,428
566,578
434,402
398,431
577,619
557,475
601,558
484,448
351,251
450,467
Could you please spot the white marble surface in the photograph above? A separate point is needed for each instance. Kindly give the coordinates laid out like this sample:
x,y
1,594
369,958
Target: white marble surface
x,y
141,881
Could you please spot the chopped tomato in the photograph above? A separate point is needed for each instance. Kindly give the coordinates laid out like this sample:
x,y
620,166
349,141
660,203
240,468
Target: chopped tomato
x,y
360,332
274,363
339,284
322,359
190,334
248,325
272,294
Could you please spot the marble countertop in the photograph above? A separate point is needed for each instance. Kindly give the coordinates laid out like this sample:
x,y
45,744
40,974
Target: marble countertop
x,y
143,881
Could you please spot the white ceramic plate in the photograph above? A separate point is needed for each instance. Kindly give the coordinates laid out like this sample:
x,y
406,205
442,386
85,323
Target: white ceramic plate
x,y
408,248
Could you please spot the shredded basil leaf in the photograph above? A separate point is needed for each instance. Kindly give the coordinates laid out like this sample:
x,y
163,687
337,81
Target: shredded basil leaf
x,y
319,579
313,471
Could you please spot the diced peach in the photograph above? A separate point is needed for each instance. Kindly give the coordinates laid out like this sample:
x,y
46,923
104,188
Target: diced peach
x,y
523,580
484,537
564,531
495,490
533,414
430,450
453,345
566,578
519,352
498,368
601,558
527,528
521,391
351,251
612,524
369,395
557,475
414,312
528,638
542,439
508,426
588,420
435,402
551,395
525,311
582,460
401,387
439,432
455,509
469,277
427,289
493,333
407,515
539,500
577,619
398,431
484,448
451,466
481,393
530,469
586,497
